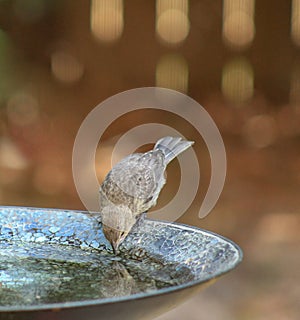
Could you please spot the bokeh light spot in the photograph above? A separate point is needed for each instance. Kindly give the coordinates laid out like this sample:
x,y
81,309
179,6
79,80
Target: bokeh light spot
x,y
22,109
238,23
107,21
260,131
10,155
238,80
173,26
295,22
65,67
172,21
172,72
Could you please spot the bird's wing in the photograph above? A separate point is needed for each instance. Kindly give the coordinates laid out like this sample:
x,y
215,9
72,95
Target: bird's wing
x,y
144,173
134,178
134,181
155,161
113,189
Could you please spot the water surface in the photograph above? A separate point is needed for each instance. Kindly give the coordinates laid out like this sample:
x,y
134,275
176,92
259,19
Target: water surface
x,y
33,274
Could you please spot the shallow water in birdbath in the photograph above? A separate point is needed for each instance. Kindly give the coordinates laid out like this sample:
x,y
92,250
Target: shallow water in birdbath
x,y
34,274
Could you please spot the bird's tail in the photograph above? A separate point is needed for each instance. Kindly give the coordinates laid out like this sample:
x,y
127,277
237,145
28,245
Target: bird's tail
x,y
172,147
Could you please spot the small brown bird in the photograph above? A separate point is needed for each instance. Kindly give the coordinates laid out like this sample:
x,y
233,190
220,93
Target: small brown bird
x,y
132,187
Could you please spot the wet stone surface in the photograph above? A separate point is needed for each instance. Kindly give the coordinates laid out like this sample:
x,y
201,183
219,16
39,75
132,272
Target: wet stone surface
x,y
49,256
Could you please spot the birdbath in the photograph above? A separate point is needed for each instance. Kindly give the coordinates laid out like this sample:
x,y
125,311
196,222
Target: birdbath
x,y
57,264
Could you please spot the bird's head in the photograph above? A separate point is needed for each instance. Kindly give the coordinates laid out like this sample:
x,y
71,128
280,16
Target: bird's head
x,y
117,221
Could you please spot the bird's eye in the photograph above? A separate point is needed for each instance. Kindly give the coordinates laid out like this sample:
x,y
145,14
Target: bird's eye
x,y
149,199
139,180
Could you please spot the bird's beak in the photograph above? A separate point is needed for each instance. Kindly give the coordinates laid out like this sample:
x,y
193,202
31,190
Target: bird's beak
x,y
115,237
115,246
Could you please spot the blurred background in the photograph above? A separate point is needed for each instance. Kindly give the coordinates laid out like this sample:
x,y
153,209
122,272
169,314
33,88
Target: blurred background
x,y
240,59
